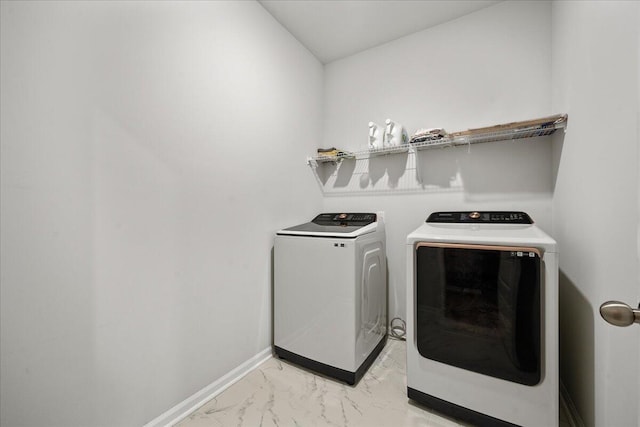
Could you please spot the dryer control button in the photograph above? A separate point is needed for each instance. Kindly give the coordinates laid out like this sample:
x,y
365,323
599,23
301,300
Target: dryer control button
x,y
474,215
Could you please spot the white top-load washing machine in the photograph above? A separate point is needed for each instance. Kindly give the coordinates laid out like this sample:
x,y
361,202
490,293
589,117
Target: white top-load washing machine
x,y
482,323
330,294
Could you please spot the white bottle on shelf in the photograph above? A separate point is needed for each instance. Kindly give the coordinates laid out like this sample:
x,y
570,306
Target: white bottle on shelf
x,y
395,134
376,139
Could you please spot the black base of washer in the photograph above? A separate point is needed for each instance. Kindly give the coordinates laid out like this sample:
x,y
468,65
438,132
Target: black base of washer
x,y
349,377
455,411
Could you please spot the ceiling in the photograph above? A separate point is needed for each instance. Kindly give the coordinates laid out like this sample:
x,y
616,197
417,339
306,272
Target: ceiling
x,y
334,29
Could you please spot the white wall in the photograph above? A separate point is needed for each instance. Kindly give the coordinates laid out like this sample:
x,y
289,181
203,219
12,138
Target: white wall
x,y
595,205
150,150
486,68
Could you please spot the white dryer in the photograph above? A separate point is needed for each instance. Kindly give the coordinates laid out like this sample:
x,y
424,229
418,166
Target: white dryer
x,y
330,294
482,327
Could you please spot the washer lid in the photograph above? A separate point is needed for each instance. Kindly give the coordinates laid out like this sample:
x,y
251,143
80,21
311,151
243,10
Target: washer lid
x,y
343,225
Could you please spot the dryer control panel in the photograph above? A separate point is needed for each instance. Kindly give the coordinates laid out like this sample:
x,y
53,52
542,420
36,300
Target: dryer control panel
x,y
485,217
345,219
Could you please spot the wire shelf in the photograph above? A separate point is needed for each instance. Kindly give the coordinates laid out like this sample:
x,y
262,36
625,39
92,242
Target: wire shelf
x,y
517,130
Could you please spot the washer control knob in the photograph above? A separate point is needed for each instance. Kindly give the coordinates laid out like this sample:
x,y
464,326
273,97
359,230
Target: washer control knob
x,y
342,216
474,215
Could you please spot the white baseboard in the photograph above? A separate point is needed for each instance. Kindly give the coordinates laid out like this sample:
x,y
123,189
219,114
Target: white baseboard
x,y
569,408
190,404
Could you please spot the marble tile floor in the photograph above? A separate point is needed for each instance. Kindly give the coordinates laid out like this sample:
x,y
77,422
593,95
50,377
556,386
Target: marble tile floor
x,y
278,393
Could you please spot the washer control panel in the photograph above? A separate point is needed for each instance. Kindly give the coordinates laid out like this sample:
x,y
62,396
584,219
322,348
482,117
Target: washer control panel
x,y
481,217
345,219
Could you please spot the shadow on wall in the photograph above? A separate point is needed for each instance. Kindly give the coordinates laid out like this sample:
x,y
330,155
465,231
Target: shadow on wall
x,y
325,171
518,166
376,171
394,166
557,142
437,169
490,171
272,281
577,348
347,168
